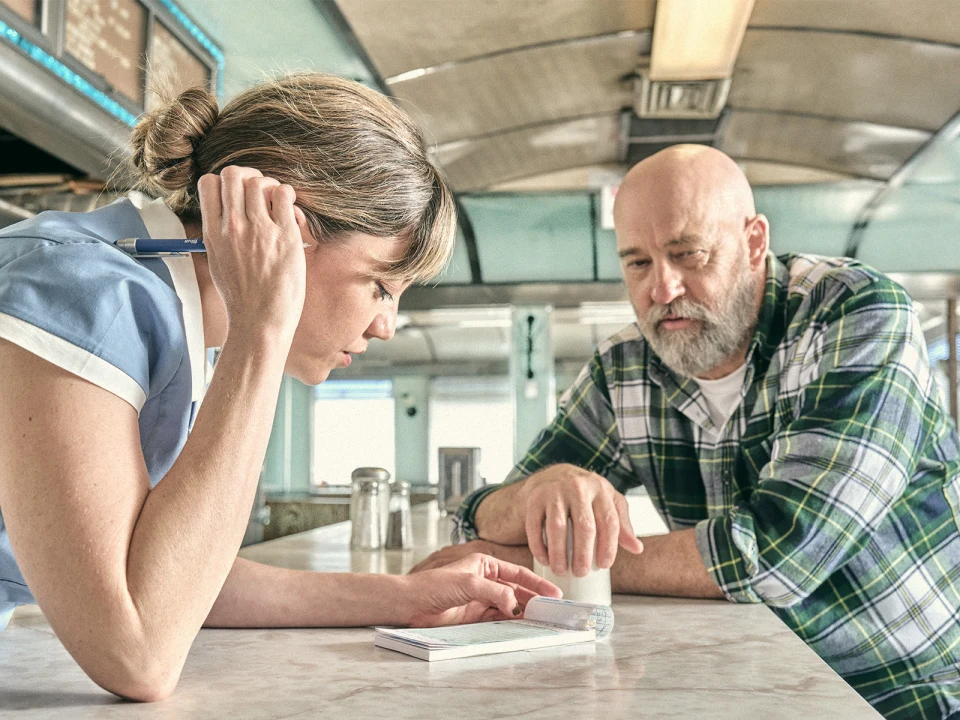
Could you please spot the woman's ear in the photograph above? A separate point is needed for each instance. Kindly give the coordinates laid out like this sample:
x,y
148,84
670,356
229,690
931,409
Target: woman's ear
x,y
305,233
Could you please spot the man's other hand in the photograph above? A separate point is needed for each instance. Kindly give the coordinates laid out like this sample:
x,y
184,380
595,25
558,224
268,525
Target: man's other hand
x,y
597,511
516,554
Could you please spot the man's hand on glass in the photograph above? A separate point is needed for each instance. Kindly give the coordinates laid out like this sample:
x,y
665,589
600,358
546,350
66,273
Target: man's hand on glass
x,y
566,495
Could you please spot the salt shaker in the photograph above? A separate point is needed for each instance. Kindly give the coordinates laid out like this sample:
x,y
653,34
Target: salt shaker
x,y
365,533
399,525
379,475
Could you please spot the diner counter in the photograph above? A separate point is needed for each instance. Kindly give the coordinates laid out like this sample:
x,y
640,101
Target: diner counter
x,y
666,658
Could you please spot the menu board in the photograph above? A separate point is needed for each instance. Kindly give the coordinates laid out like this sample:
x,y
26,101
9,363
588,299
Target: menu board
x,y
109,38
173,67
27,9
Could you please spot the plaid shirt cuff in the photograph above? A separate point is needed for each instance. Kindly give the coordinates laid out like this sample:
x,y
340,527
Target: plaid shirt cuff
x,y
724,560
464,528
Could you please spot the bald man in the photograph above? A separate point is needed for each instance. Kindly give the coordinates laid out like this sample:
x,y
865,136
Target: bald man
x,y
781,414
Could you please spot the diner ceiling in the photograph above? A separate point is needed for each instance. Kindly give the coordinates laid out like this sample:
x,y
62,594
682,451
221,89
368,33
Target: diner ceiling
x,y
533,95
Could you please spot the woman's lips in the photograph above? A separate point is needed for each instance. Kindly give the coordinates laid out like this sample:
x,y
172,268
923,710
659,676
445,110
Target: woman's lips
x,y
347,359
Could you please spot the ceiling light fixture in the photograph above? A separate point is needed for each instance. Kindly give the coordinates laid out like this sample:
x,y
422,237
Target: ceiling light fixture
x,y
697,39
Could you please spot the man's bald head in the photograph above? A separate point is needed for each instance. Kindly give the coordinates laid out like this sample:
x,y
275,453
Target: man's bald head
x,y
693,253
695,182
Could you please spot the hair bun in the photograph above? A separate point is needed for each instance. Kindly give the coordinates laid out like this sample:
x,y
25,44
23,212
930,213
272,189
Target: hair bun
x,y
164,142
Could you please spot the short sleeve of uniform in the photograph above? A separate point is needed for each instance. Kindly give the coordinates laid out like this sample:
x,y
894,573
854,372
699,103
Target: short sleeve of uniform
x,y
90,309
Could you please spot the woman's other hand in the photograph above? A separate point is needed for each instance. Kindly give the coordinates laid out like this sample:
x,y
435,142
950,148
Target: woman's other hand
x,y
252,232
474,589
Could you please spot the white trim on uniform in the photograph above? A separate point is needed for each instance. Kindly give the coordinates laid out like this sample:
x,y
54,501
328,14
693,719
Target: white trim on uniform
x,y
73,359
162,222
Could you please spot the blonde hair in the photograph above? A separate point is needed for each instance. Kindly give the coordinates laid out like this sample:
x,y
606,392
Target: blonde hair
x,y
357,162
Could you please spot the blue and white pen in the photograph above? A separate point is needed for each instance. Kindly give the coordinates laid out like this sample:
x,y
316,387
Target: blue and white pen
x,y
156,247
161,246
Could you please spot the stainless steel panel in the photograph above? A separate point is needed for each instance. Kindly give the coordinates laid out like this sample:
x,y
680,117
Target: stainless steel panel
x,y
38,107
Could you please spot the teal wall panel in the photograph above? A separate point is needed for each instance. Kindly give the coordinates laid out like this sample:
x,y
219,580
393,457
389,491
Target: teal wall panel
x,y
914,230
533,238
458,271
291,35
608,264
412,432
815,219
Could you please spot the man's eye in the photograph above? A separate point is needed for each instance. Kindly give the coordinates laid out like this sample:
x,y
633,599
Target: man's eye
x,y
384,293
638,263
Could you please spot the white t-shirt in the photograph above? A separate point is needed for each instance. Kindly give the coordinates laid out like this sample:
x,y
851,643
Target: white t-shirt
x,y
723,395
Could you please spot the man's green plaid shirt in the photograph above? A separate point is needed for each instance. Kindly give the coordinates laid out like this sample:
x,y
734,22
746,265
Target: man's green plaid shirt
x,y
832,493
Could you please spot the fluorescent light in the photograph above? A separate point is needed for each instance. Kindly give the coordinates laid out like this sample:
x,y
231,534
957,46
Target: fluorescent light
x,y
697,39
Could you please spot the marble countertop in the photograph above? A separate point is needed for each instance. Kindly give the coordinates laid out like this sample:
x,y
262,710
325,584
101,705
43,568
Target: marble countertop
x,y
665,659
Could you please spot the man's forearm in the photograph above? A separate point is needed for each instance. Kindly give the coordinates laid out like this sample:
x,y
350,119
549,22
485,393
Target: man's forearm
x,y
501,516
670,565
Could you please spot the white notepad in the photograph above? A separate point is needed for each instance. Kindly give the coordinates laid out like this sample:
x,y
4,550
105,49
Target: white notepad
x,y
546,623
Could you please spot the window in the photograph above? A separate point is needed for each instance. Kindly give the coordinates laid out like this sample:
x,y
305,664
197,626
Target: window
x,y
352,427
473,412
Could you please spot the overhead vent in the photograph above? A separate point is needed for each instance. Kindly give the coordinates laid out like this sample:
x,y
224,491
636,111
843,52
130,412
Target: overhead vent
x,y
679,98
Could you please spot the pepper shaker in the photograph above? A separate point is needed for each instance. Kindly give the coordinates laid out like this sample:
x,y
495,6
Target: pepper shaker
x,y
399,525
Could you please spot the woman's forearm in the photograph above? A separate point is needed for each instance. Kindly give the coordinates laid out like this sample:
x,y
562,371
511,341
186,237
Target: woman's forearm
x,y
190,527
257,595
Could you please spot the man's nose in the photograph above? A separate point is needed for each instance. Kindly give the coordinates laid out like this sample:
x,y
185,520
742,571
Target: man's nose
x,y
667,284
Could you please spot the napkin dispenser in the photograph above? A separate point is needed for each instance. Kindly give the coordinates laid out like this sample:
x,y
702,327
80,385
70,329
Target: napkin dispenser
x,y
459,475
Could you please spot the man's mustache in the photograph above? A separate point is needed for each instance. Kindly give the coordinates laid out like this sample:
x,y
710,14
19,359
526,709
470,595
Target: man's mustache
x,y
680,308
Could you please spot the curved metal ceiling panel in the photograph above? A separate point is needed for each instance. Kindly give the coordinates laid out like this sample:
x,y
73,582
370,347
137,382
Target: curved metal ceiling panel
x,y
454,30
932,20
765,172
531,86
478,164
879,80
853,148
579,178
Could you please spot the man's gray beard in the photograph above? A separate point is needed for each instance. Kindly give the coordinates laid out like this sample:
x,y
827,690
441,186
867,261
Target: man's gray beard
x,y
695,351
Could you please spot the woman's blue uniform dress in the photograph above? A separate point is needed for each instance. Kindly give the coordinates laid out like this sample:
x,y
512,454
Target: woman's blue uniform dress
x,y
131,326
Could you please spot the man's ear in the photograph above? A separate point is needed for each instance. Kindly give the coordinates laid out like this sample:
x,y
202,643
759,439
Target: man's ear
x,y
758,240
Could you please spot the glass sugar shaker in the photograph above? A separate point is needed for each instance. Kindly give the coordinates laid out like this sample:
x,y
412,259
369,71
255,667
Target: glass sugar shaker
x,y
365,532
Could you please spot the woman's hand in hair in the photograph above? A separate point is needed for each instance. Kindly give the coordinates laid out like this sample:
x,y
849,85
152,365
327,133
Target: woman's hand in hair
x,y
253,235
474,589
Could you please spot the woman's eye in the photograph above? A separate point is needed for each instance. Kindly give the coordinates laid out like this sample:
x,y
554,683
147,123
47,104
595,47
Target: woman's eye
x,y
384,293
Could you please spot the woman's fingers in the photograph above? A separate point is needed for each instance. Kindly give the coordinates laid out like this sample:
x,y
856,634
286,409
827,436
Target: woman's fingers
x,y
208,189
257,192
492,593
233,195
283,210
502,571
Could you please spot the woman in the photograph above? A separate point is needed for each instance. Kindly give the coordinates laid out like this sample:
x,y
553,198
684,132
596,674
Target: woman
x,y
318,207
